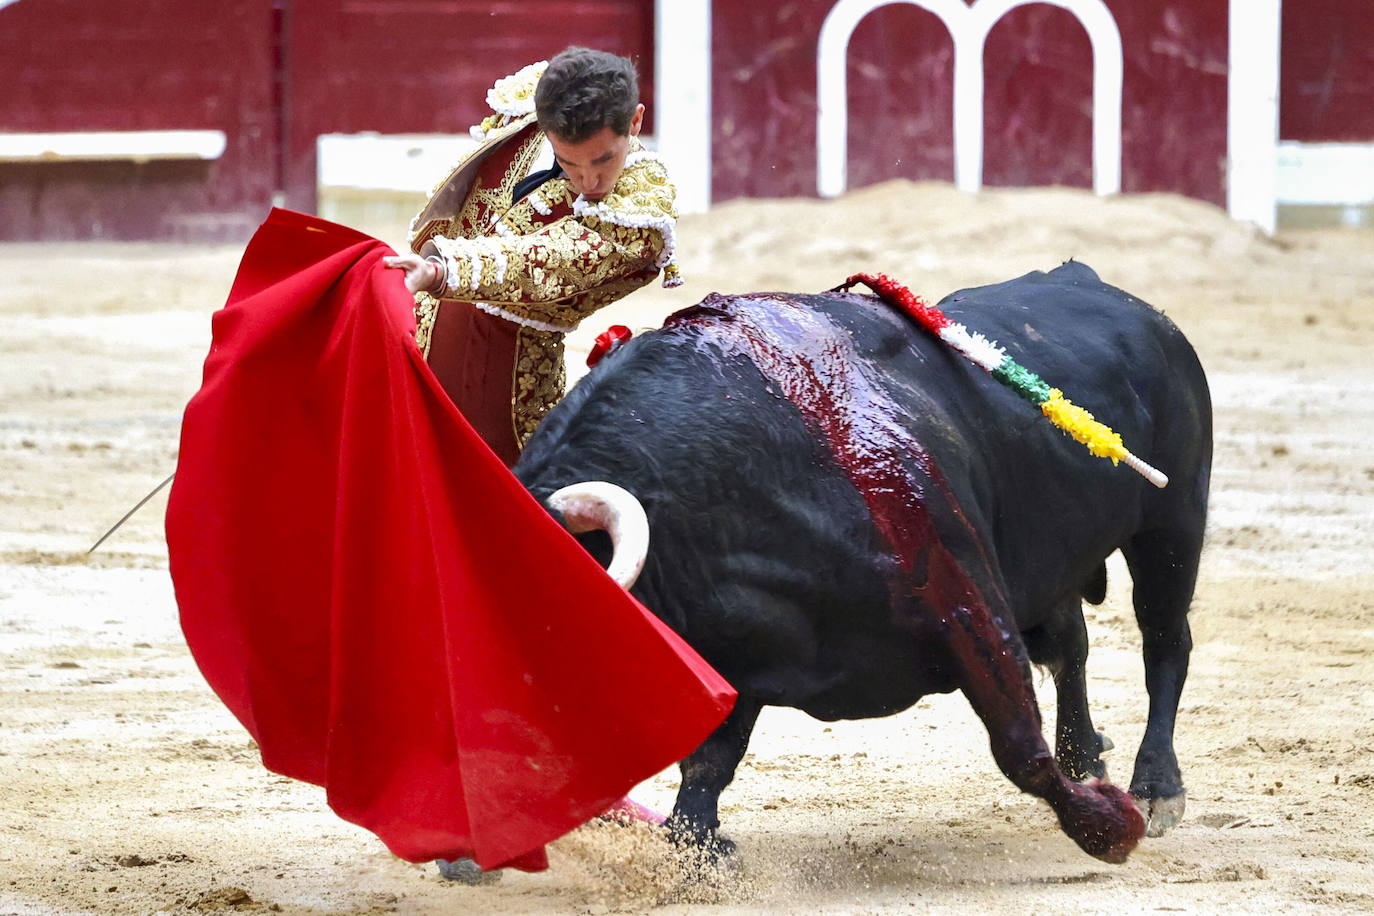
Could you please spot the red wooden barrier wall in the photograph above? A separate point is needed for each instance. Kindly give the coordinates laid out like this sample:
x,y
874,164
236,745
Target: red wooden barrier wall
x,y
1038,96
74,65
273,75
397,67
1327,80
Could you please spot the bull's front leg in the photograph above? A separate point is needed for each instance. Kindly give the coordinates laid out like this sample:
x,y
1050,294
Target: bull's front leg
x,y
705,774
993,672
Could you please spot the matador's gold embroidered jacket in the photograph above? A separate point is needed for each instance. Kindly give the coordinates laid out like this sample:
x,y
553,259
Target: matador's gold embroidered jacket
x,y
546,261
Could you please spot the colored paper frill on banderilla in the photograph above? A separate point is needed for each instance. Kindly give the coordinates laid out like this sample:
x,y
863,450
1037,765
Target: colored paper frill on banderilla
x,y
378,600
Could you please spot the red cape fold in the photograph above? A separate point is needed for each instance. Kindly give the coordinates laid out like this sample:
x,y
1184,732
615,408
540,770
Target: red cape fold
x,y
378,600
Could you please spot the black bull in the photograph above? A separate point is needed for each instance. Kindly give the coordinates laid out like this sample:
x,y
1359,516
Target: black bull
x,y
846,516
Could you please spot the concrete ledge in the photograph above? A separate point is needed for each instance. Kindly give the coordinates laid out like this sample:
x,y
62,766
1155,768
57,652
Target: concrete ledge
x,y
377,182
1329,174
1325,184
404,163
131,145
382,214
407,163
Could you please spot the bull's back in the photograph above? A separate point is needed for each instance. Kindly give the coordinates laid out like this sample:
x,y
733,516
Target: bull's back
x,y
794,453
1049,510
1114,355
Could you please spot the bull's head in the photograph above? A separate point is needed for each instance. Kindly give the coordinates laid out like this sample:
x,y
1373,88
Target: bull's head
x,y
596,505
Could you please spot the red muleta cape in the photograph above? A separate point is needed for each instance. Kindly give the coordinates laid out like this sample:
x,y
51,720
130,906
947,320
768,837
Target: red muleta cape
x,y
378,600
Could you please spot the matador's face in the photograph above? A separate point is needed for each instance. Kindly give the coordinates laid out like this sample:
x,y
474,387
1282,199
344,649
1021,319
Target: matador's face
x,y
594,165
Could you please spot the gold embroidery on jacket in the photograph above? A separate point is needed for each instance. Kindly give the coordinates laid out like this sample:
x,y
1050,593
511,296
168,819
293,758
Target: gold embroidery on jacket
x,y
482,205
537,380
426,310
562,273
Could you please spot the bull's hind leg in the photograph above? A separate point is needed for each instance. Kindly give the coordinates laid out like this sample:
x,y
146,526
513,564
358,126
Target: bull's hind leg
x,y
1061,644
705,774
1163,566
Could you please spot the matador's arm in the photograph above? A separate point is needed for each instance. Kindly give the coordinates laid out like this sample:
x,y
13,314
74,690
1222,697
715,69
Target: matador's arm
x,y
563,270
567,258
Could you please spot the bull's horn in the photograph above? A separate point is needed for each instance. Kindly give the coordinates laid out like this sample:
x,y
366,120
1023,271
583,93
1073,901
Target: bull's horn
x,y
596,505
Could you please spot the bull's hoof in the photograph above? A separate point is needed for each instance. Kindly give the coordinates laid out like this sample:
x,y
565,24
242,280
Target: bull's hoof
x,y
1161,814
710,862
713,849
1097,767
466,871
1102,820
705,848
723,851
1094,770
1087,763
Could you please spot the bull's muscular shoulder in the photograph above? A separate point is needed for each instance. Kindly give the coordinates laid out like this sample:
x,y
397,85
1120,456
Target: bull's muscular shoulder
x,y
1069,274
1072,271
1069,300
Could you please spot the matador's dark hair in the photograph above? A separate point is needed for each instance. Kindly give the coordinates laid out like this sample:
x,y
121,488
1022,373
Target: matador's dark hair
x,y
583,91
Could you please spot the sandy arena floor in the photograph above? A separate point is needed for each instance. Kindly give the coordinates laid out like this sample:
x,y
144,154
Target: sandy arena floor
x,y
126,788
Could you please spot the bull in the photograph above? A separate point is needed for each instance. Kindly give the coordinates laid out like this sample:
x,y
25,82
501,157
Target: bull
x,y
847,516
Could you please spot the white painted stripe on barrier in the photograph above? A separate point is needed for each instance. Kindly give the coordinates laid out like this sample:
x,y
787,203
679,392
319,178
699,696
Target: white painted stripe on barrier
x,y
136,145
1252,101
682,91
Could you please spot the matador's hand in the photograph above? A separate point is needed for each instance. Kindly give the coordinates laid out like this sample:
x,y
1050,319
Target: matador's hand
x,y
421,274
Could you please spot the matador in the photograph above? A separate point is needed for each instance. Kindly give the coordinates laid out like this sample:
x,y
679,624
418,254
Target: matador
x,y
363,628
507,262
